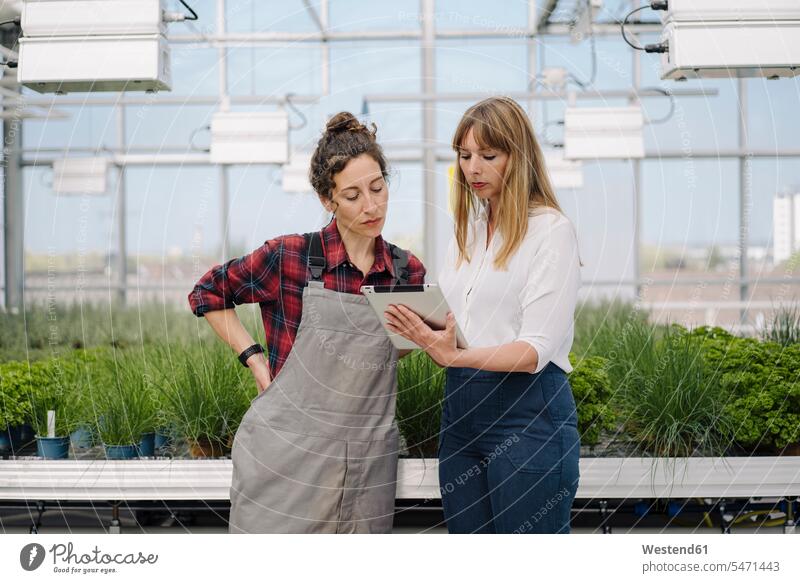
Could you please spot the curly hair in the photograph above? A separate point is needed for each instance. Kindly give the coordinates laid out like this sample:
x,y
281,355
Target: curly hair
x,y
345,138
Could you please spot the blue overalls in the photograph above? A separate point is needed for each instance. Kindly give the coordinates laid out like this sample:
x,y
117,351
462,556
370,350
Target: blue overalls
x,y
508,451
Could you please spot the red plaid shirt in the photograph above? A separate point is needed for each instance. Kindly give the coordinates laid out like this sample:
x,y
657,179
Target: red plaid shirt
x,y
274,276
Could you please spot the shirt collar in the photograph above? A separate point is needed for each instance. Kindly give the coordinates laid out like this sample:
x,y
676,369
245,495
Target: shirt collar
x,y
336,253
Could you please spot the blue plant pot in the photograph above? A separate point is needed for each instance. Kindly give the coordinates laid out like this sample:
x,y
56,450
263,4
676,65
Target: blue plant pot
x,y
8,435
52,448
162,440
81,437
10,438
122,452
26,434
147,445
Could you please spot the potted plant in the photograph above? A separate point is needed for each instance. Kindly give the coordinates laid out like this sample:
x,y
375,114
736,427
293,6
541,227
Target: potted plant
x,y
420,391
206,393
91,370
54,407
124,408
15,406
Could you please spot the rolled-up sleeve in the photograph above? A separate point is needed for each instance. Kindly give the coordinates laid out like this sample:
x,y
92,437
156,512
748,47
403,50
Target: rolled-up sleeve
x,y
252,278
550,293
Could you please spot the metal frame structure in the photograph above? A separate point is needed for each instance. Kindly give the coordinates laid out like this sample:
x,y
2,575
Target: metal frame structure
x,y
16,107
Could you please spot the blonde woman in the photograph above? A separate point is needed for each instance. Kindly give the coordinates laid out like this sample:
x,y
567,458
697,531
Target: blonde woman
x,y
509,444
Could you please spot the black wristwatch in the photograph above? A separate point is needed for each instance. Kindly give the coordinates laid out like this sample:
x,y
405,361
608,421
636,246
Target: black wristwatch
x,y
248,352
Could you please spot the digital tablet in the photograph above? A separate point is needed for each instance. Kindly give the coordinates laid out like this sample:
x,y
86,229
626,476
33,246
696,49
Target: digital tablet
x,y
425,299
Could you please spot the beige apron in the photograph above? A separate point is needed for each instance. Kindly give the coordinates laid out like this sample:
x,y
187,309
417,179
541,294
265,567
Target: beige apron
x,y
317,451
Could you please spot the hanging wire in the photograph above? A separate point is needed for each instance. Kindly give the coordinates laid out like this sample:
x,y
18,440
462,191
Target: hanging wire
x,y
625,21
297,111
671,111
189,8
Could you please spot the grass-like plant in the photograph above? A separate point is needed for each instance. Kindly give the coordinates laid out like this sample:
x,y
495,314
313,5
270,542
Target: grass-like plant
x,y
125,406
205,391
783,326
420,390
669,402
58,389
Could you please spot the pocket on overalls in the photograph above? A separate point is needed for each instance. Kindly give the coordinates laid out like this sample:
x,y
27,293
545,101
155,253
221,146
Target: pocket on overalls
x,y
351,379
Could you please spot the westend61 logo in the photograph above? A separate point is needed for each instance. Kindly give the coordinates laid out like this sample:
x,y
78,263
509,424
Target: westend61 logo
x,y
65,560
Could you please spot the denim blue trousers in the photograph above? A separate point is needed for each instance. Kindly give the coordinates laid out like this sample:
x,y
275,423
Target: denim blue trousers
x,y
508,451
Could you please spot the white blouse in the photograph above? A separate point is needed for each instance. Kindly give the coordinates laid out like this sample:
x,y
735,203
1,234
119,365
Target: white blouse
x,y
533,301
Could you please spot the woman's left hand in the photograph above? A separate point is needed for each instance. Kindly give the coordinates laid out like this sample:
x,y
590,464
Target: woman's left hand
x,y
439,344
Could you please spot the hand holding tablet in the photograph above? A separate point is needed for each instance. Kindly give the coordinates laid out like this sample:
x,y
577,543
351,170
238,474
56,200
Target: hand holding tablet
x,y
425,300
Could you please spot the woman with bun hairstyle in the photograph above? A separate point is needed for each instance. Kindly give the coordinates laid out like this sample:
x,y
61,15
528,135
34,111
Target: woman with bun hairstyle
x,y
317,449
509,444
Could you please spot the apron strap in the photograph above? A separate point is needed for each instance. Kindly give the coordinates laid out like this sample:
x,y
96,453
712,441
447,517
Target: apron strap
x,y
316,256
400,263
317,263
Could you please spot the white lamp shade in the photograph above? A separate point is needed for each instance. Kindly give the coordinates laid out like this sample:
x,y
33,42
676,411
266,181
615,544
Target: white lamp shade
x,y
563,173
603,132
250,138
295,173
80,175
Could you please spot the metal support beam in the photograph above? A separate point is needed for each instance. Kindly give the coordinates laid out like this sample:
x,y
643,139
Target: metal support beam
x,y
430,206
637,179
224,99
494,33
121,268
13,216
745,192
538,95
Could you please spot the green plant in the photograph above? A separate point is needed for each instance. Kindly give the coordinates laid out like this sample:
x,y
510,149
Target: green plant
x,y
59,390
669,402
205,390
783,327
16,382
599,325
420,391
124,406
761,388
44,330
591,388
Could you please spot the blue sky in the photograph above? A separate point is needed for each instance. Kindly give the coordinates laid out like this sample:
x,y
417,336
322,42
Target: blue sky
x,y
691,202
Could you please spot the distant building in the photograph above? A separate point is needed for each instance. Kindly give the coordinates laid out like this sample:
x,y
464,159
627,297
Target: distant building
x,y
785,225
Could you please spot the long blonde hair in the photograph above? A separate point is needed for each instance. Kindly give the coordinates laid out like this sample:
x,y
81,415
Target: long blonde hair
x,y
500,123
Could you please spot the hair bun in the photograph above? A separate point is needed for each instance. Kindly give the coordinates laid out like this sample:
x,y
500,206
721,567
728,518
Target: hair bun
x,y
345,121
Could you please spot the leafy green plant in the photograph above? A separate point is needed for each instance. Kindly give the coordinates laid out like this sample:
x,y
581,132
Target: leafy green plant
x,y
420,391
16,382
669,402
591,388
761,388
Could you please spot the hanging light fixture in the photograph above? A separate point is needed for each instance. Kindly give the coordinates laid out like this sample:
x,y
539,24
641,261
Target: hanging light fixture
x,y
95,45
250,137
80,175
603,132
